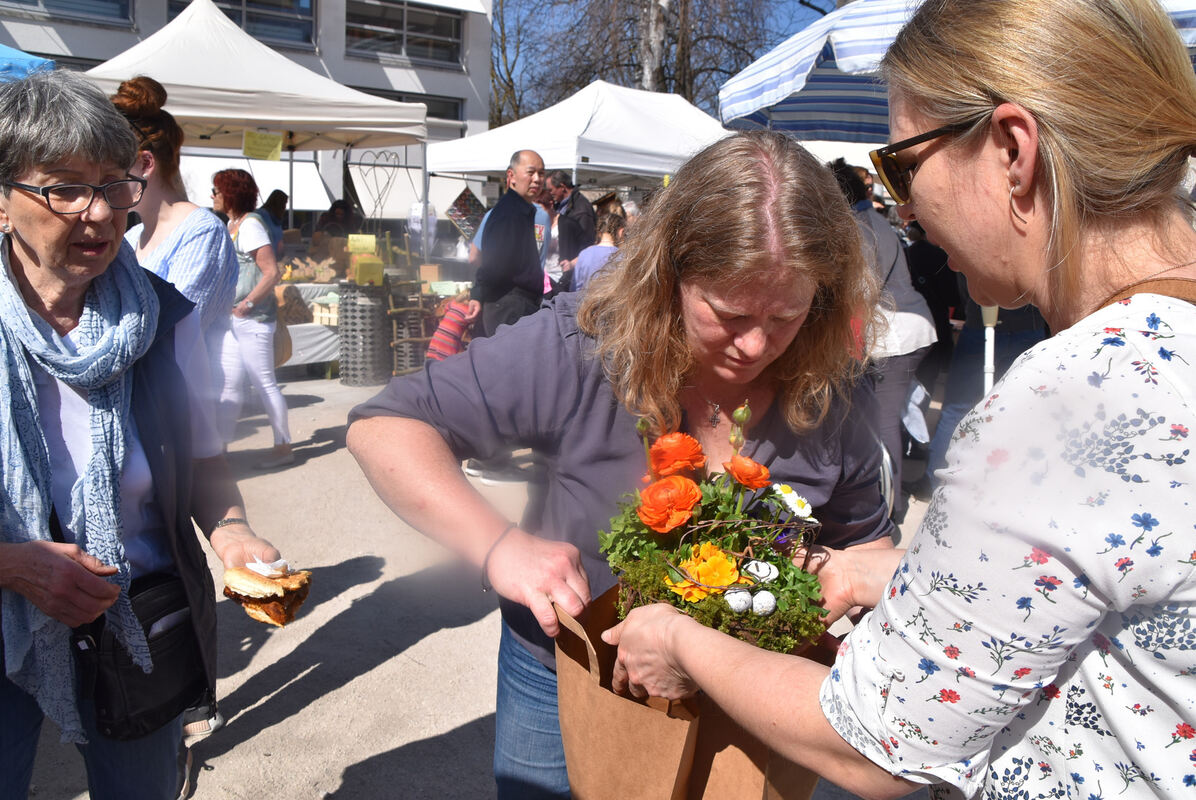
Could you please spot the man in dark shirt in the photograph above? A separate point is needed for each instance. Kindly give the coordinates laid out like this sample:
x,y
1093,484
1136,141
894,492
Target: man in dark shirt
x,y
573,204
510,281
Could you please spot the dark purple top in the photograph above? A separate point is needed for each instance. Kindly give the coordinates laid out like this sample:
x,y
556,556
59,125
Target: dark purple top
x,y
536,384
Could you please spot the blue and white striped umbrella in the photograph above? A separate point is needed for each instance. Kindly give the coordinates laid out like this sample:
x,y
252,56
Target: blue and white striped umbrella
x,y
821,82
17,63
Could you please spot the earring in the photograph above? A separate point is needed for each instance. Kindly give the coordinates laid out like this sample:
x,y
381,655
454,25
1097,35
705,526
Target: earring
x,y
1020,218
5,228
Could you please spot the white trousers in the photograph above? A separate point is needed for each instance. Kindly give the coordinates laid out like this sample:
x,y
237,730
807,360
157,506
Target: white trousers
x,y
248,349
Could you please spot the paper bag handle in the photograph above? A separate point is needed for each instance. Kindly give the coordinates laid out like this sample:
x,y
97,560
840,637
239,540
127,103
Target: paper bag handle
x,y
579,631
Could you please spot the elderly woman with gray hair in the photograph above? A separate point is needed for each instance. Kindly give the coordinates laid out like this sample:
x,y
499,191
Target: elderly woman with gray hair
x,y
107,457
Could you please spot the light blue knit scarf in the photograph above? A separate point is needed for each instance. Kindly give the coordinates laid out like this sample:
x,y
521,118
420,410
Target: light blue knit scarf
x,y
119,320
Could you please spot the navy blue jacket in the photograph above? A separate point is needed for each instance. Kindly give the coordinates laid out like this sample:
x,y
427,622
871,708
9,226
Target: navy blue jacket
x,y
510,258
162,412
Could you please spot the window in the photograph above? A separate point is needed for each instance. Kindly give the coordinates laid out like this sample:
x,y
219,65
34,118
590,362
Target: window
x,y
86,9
394,27
275,21
450,108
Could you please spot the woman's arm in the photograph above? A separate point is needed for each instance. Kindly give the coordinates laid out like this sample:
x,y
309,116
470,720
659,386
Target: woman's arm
x,y
412,469
203,266
214,496
664,653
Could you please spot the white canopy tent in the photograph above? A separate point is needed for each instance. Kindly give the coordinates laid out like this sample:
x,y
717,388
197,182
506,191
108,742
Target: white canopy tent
x,y
221,82
605,134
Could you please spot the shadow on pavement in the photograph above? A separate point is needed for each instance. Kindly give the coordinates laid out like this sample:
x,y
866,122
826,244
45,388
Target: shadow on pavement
x,y
464,755
322,442
240,637
374,629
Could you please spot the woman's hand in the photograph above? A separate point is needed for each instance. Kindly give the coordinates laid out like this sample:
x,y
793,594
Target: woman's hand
x,y
851,578
237,545
536,573
241,310
60,579
647,663
475,311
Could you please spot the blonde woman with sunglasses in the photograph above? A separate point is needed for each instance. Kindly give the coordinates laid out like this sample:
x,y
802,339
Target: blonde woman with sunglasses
x,y
1037,638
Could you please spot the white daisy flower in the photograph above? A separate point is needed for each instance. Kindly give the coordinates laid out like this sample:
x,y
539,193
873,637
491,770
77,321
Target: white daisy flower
x,y
797,505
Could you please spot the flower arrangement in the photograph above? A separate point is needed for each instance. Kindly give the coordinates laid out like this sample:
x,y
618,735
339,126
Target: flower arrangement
x,y
717,546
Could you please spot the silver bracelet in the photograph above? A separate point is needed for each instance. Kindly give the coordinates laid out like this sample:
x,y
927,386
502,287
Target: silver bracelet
x,y
230,521
486,561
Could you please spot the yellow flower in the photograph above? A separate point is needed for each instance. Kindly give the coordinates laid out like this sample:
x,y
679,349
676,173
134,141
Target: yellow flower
x,y
710,567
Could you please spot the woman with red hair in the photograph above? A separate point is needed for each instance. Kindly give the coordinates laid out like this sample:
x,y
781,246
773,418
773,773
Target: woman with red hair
x,y
249,344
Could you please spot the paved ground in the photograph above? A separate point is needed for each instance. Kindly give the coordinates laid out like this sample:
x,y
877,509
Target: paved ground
x,y
384,685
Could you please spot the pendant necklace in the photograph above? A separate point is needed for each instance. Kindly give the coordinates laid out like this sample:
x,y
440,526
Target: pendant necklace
x,y
715,411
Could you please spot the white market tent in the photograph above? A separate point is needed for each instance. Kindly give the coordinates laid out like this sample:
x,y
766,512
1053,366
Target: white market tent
x,y
221,82
606,135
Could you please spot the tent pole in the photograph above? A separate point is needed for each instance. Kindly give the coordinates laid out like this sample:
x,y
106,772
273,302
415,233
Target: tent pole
x,y
291,181
424,226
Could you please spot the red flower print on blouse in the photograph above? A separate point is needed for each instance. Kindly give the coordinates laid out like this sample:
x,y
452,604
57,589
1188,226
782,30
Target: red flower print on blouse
x,y
1182,731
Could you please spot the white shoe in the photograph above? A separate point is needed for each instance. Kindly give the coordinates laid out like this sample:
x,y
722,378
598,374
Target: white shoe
x,y
504,475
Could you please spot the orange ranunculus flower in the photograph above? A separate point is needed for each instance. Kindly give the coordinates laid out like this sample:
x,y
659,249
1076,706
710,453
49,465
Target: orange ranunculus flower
x,y
747,472
668,503
710,567
675,452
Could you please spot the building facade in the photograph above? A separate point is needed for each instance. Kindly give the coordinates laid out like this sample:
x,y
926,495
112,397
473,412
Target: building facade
x,y
435,52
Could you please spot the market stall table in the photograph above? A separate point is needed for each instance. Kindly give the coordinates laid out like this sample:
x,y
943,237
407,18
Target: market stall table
x,y
312,343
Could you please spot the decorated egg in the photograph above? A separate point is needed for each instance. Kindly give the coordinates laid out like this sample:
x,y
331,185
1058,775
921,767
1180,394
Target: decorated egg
x,y
762,571
740,600
763,603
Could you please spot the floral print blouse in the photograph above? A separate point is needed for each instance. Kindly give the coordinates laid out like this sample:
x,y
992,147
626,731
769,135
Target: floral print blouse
x,y
1039,638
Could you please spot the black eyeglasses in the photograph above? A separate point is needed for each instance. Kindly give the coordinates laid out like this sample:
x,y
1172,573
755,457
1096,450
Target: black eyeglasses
x,y
895,177
75,198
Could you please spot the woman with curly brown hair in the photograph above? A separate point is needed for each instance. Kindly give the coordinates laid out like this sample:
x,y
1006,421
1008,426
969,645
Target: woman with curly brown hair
x,y
740,282
249,344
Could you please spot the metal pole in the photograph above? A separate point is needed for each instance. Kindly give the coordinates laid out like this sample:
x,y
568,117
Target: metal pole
x,y
989,314
427,244
291,182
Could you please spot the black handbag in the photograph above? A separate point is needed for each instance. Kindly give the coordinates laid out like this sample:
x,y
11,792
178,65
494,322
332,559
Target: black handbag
x,y
130,703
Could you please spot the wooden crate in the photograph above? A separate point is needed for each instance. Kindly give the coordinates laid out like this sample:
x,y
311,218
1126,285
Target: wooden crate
x,y
325,313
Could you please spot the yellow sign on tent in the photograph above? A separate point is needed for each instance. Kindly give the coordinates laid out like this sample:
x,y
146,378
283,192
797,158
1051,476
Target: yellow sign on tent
x,y
264,146
362,243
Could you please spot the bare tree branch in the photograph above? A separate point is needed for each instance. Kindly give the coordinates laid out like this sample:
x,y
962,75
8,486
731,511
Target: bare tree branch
x,y
545,50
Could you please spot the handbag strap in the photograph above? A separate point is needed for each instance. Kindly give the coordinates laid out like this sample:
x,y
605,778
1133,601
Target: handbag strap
x,y
1180,288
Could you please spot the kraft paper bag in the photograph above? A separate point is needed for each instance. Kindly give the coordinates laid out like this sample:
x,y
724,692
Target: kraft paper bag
x,y
618,746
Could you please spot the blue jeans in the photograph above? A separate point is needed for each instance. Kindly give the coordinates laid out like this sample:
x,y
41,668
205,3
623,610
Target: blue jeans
x,y
141,769
529,757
